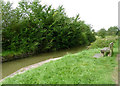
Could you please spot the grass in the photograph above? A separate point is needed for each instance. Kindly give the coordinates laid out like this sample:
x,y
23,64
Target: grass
x,y
80,68
7,53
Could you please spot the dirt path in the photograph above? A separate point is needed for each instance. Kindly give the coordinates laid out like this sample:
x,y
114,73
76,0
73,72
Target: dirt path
x,y
22,70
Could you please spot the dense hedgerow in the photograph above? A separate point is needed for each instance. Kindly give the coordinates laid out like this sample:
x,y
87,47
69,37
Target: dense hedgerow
x,y
33,27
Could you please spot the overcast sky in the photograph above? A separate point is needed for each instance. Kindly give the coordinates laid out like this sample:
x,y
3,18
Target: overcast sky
x,y
98,13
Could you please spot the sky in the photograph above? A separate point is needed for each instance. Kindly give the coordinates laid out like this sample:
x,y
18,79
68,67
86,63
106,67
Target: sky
x,y
98,13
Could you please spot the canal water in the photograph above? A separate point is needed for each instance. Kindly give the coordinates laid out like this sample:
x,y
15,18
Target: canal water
x,y
12,66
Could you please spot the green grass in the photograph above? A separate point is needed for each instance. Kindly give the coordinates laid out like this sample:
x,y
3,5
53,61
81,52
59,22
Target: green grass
x,y
7,53
104,42
80,68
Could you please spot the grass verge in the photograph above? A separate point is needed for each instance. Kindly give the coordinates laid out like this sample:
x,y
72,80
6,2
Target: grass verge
x,y
80,68
7,53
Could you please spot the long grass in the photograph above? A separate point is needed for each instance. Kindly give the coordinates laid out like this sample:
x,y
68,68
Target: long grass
x,y
79,68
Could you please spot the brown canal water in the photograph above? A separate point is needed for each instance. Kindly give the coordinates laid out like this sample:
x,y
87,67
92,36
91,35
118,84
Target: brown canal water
x,y
12,66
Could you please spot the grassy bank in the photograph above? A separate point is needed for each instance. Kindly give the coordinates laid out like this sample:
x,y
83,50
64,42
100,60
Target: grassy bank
x,y
80,68
12,55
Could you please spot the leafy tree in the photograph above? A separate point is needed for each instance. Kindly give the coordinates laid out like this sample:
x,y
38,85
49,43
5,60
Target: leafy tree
x,y
32,27
112,30
93,31
102,32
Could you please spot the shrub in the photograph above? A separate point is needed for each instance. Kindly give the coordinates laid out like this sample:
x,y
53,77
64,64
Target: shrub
x,y
32,27
104,42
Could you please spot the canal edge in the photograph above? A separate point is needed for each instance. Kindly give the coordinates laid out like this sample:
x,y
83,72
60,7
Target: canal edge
x,y
24,69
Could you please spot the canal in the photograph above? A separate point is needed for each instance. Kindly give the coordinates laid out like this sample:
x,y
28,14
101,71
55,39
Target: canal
x,y
12,66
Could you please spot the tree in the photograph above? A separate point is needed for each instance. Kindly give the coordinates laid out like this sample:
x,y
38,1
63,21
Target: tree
x,y
33,27
102,32
93,31
112,30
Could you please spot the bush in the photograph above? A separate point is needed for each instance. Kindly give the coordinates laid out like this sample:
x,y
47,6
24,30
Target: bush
x,y
104,42
102,33
32,27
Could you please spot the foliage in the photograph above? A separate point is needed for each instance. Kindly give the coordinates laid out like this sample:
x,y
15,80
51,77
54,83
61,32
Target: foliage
x,y
80,68
104,42
32,27
6,53
93,31
112,30
102,33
